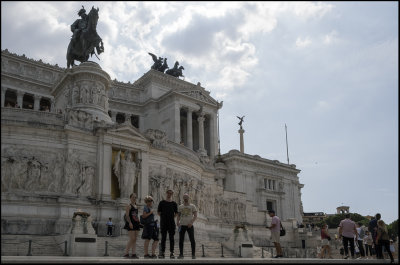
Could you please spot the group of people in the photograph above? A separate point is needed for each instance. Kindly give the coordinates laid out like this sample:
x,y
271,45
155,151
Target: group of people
x,y
353,234
168,210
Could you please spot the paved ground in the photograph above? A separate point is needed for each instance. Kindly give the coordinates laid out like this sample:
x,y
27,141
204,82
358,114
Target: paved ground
x,y
48,259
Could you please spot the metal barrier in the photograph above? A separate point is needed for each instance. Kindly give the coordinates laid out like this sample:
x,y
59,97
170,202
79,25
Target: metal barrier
x,y
222,251
30,241
202,247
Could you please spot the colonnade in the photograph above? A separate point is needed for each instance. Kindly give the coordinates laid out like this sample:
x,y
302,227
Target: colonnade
x,y
20,98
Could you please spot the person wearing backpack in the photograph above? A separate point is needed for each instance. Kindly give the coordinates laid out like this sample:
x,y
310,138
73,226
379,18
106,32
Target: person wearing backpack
x,y
150,230
275,233
359,239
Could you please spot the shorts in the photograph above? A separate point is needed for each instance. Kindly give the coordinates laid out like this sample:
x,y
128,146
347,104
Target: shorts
x,y
136,226
150,232
325,242
275,236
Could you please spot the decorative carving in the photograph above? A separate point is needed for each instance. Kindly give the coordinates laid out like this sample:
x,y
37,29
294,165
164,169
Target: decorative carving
x,y
157,138
80,119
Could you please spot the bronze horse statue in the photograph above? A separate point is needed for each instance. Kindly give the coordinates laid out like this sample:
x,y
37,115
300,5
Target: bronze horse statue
x,y
87,41
176,72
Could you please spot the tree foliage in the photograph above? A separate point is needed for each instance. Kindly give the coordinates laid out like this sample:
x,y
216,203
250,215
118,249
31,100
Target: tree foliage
x,y
333,221
393,229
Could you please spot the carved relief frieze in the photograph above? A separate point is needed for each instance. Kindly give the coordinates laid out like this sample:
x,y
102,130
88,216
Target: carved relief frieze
x,y
31,169
80,119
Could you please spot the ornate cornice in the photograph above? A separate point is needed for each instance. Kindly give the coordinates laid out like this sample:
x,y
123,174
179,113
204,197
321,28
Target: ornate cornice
x,y
36,62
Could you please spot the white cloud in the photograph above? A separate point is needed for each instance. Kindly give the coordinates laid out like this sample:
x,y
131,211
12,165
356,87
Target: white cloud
x,y
331,37
302,43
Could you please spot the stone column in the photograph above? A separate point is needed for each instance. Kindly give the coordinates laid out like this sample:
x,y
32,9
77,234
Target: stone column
x,y
3,97
143,180
113,116
36,102
52,105
177,121
241,131
20,98
201,150
213,136
189,129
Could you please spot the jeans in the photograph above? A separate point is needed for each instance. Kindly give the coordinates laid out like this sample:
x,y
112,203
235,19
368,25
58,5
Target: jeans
x,y
368,247
182,232
386,244
109,230
346,241
171,233
361,248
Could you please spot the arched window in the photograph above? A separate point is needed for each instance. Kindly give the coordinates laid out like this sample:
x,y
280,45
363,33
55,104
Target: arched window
x,y
10,98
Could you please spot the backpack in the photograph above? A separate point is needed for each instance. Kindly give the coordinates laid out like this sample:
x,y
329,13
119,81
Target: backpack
x,y
362,234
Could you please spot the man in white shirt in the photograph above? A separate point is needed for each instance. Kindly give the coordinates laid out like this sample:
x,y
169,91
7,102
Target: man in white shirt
x,y
187,214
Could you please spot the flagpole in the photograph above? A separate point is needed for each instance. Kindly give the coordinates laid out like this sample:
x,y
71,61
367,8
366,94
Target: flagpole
x,y
287,148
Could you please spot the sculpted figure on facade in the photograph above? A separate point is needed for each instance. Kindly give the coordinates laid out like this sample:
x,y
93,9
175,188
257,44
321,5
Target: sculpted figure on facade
x,y
157,138
88,179
125,170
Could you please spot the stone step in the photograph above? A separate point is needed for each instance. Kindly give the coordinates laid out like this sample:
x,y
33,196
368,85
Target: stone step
x,y
40,246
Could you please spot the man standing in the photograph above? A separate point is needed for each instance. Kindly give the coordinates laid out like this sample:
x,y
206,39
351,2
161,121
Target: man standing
x,y
373,229
167,210
187,214
275,232
347,230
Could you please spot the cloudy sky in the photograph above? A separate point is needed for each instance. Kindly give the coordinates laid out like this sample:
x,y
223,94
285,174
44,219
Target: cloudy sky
x,y
329,70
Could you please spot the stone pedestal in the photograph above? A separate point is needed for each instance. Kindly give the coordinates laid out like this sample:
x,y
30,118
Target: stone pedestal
x,y
82,242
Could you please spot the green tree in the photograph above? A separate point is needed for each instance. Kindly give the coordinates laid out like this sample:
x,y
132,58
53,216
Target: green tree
x,y
333,221
393,229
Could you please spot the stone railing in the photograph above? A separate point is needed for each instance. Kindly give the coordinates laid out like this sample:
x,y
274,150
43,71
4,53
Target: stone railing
x,y
31,116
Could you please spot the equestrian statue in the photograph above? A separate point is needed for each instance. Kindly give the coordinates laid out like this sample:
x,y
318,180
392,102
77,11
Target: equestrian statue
x,y
85,38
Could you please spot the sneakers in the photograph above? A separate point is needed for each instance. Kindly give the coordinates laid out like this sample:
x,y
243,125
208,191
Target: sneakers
x,y
278,256
172,256
126,256
161,256
180,256
153,256
346,257
147,256
134,256
193,257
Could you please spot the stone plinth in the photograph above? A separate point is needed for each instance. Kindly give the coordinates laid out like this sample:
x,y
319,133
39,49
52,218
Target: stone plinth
x,y
82,242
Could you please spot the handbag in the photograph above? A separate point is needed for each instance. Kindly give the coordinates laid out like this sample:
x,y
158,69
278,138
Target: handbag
x,y
282,232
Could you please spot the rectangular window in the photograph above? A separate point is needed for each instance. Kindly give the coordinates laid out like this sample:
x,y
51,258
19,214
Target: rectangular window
x,y
270,184
266,183
269,205
273,184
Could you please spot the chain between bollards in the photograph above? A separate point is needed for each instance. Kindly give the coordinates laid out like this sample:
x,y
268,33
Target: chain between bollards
x,y
65,248
202,246
106,248
222,251
30,248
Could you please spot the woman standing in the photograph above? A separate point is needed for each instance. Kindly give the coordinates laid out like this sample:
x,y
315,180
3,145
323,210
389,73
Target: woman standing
x,y
150,230
325,242
132,225
382,238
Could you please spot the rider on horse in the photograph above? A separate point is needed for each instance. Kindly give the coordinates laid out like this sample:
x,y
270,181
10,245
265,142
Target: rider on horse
x,y
79,24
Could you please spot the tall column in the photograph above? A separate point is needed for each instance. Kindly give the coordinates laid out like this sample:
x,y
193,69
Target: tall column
x,y
52,105
241,131
20,98
201,150
3,97
143,180
189,129
36,102
177,129
213,136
